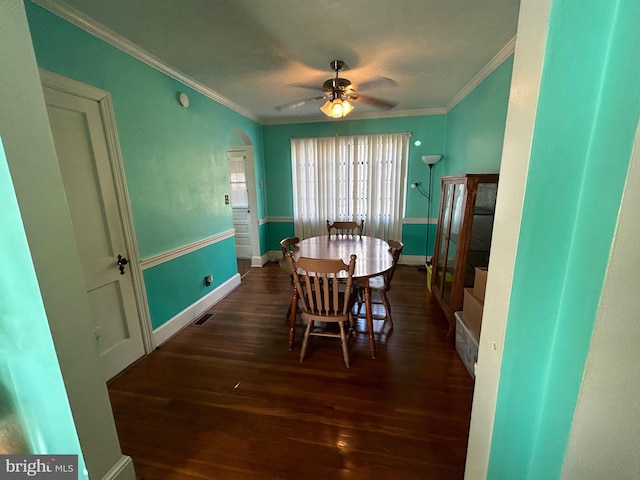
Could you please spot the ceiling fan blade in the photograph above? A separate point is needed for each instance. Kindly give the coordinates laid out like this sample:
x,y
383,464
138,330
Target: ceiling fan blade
x,y
298,103
307,86
377,102
378,82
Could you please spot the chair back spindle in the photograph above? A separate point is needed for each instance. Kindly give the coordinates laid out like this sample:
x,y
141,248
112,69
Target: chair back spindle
x,y
345,228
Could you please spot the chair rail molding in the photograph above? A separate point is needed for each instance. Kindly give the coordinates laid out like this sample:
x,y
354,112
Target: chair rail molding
x,y
169,255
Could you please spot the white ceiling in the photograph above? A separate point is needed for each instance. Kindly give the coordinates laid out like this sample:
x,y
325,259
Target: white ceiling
x,y
248,54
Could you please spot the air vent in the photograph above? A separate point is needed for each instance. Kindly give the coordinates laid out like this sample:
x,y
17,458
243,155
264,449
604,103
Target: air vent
x,y
203,319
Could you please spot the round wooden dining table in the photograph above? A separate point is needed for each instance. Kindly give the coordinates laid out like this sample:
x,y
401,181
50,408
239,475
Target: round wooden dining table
x,y
372,258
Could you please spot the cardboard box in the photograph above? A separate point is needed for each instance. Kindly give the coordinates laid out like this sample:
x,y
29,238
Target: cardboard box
x,y
480,283
466,344
472,308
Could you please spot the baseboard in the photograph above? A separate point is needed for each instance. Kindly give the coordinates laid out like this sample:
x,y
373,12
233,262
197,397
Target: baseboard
x,y
274,255
189,314
122,470
259,261
412,260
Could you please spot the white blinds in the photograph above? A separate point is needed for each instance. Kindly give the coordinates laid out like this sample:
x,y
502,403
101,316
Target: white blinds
x,y
350,178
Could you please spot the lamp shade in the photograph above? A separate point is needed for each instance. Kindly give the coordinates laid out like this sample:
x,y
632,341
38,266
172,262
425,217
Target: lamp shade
x,y
336,108
431,159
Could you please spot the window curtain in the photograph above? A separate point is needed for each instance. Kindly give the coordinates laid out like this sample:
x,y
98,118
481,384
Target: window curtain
x,y
350,178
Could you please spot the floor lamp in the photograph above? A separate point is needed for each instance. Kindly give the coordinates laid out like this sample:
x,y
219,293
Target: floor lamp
x,y
430,160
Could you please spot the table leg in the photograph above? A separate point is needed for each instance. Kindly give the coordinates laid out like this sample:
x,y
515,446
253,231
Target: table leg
x,y
369,314
292,317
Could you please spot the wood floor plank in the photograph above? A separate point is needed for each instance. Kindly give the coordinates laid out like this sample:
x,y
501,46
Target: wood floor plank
x,y
227,400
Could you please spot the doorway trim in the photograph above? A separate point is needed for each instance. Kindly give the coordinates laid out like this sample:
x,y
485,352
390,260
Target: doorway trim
x,y
66,85
250,173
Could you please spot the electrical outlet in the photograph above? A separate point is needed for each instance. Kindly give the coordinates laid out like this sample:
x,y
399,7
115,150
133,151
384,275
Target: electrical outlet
x,y
208,280
226,199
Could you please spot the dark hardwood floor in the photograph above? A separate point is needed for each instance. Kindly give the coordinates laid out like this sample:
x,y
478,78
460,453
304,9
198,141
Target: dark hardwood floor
x,y
227,400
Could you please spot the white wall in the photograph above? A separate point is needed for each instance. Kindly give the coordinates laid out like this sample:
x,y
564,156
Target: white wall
x,y
31,156
604,442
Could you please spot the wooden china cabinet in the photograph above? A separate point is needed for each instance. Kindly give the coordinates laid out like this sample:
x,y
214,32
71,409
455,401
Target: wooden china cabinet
x,y
463,238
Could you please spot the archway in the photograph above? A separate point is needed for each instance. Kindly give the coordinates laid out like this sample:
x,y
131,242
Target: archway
x,y
244,199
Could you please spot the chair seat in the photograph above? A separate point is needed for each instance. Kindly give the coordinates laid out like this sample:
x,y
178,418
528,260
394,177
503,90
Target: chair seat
x,y
376,283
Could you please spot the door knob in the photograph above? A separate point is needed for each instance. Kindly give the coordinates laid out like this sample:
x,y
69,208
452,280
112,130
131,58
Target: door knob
x,y
121,263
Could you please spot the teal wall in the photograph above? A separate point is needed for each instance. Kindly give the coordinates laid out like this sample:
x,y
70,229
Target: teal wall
x,y
475,126
174,157
415,234
280,230
165,282
585,125
277,150
263,231
34,415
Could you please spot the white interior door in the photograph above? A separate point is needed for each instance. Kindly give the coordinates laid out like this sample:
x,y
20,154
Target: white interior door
x,y
79,138
240,204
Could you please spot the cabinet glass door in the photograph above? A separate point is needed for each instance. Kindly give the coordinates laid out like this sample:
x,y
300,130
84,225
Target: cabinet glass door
x,y
481,230
439,256
457,212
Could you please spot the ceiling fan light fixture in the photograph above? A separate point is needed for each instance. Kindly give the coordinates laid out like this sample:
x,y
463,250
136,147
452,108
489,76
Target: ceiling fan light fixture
x,y
346,107
336,108
339,93
326,108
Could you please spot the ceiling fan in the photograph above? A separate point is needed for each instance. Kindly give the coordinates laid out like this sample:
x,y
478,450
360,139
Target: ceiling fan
x,y
340,92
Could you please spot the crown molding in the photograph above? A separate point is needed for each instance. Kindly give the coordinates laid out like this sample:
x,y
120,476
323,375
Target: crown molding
x,y
98,30
487,70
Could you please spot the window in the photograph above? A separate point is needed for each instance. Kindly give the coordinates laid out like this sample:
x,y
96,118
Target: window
x,y
349,178
238,182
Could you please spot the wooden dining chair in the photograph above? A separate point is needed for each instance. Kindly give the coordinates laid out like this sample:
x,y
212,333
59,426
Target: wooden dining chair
x,y
380,285
286,245
325,297
345,228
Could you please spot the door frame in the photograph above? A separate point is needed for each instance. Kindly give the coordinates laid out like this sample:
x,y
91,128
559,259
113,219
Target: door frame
x,y
250,175
66,85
